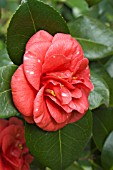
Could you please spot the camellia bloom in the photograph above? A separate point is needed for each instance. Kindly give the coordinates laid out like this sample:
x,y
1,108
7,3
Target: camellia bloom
x,y
14,154
52,86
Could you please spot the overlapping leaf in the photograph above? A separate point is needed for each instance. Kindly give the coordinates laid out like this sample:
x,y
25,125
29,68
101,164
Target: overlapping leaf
x,y
100,70
29,18
95,38
107,153
109,66
7,108
102,125
100,94
93,2
4,58
57,150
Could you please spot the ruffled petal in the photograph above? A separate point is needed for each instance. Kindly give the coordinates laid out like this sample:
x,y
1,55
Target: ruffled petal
x,y
23,93
65,47
7,143
58,114
52,63
33,60
41,115
39,37
61,36
76,93
82,103
15,121
65,95
75,116
3,124
65,107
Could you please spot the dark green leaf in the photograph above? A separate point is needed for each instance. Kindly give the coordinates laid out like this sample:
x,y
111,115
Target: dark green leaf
x,y
4,58
100,70
93,2
90,29
79,7
107,153
7,108
109,66
93,50
31,16
57,150
100,94
2,3
102,125
74,166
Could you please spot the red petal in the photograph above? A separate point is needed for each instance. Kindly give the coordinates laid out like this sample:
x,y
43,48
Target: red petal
x,y
62,47
39,37
12,129
76,93
66,95
81,65
65,107
33,60
23,93
41,115
61,36
52,63
2,167
3,124
82,103
75,116
7,143
56,112
15,121
29,119
60,80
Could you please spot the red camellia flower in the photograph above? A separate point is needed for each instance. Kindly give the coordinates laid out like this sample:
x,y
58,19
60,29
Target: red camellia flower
x,y
52,86
14,154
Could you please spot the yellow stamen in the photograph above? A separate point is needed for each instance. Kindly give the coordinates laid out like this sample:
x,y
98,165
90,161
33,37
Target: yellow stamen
x,y
50,92
20,146
74,78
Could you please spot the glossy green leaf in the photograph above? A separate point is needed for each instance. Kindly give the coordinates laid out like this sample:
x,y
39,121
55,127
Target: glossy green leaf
x,y
79,7
109,66
100,70
7,108
102,125
2,3
57,150
94,36
31,17
74,166
4,58
93,50
93,2
107,153
100,94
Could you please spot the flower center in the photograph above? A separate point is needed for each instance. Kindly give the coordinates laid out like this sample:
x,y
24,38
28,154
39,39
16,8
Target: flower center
x,y
20,146
50,92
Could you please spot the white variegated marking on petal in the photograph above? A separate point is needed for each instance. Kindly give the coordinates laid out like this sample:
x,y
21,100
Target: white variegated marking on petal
x,y
38,60
31,72
64,94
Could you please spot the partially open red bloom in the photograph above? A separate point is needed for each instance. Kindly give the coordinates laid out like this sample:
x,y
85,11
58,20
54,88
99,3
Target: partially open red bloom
x,y
52,86
14,154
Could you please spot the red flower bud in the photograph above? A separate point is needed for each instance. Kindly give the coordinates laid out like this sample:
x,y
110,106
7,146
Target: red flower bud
x,y
14,154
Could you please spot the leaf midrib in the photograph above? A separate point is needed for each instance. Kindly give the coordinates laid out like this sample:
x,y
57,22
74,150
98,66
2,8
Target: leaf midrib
x,y
5,91
60,143
34,26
